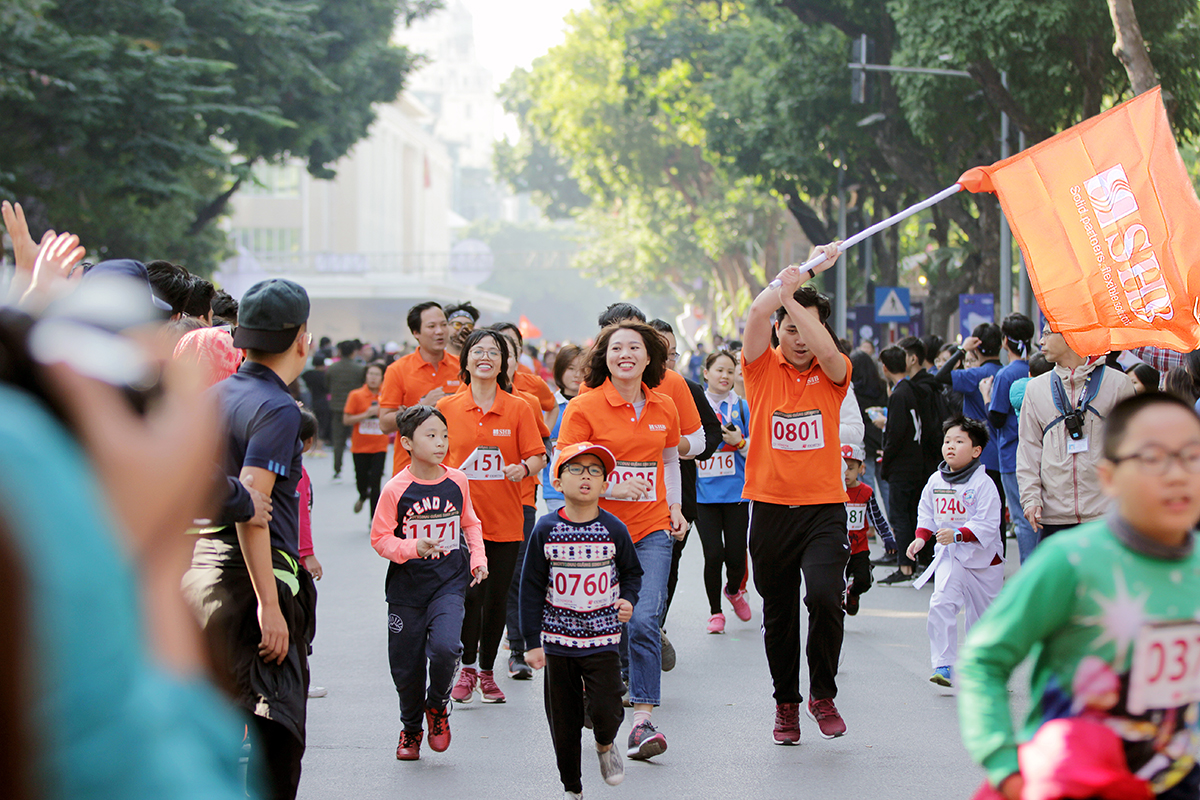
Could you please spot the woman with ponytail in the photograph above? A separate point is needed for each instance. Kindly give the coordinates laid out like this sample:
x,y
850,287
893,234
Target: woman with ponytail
x,y
1016,340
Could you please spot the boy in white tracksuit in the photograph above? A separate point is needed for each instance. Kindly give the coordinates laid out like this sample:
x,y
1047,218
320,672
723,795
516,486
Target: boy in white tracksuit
x,y
960,508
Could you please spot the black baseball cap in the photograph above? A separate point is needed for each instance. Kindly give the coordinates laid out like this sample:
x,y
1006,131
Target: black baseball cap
x,y
270,315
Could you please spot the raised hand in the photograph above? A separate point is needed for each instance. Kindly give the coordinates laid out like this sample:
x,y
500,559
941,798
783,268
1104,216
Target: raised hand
x,y
56,258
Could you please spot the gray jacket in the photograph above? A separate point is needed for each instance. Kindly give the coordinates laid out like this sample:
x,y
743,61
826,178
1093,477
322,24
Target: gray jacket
x,y
1065,484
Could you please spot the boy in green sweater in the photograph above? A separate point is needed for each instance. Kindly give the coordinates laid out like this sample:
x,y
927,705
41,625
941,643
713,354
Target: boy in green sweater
x,y
1109,613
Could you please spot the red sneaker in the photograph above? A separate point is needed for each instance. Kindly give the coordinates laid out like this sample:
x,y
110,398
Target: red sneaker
x,y
787,723
409,748
740,606
826,715
438,722
464,688
488,688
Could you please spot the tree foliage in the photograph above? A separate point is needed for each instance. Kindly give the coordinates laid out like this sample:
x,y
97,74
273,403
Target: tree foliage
x,y
131,121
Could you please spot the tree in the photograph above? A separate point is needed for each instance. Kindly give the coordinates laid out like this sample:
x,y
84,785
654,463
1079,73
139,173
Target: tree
x,y
132,122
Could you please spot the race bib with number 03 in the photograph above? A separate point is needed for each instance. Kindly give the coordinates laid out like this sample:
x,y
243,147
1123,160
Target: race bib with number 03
x,y
444,530
370,427
582,585
719,466
856,516
628,470
484,464
1166,667
801,430
948,510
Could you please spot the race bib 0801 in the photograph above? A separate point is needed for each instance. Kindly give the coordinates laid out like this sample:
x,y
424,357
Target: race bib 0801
x,y
444,530
628,470
582,585
719,466
484,464
948,510
1166,667
800,430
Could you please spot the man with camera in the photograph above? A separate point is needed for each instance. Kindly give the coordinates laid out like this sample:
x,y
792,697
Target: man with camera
x,y
1060,437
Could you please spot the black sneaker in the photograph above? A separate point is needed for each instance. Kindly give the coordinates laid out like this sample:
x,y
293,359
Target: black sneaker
x,y
891,559
898,578
518,670
850,603
668,652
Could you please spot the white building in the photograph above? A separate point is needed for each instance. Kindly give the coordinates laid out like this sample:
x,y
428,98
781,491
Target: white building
x,y
367,244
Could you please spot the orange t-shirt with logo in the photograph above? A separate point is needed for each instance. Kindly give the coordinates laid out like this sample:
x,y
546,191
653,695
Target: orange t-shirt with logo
x,y
795,455
407,380
603,417
510,429
373,440
675,387
528,485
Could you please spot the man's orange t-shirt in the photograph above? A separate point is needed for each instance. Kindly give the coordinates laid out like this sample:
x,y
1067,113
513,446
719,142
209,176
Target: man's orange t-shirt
x,y
603,417
795,455
407,380
510,428
675,387
528,382
372,440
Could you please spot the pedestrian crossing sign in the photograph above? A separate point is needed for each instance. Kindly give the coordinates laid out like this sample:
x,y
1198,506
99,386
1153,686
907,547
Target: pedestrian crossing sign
x,y
891,304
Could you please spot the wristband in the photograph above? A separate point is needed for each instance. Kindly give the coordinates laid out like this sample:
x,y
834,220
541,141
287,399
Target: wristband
x,y
525,464
743,443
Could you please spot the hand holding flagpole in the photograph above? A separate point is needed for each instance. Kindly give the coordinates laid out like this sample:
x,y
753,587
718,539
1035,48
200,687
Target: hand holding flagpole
x,y
821,257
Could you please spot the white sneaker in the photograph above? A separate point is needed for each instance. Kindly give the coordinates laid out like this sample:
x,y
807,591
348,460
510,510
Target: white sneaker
x,y
317,691
572,795
612,766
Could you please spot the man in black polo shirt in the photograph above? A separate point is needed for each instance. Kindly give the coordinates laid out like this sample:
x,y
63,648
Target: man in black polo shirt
x,y
255,602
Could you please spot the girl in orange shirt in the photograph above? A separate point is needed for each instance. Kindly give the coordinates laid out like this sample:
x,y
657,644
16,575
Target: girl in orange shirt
x,y
641,428
368,442
495,440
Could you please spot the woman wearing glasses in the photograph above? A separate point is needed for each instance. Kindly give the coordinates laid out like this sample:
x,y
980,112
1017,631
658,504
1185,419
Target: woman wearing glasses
x,y
641,428
494,439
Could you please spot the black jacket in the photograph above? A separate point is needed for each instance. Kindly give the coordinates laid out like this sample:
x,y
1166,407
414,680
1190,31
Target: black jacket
x,y
712,440
912,440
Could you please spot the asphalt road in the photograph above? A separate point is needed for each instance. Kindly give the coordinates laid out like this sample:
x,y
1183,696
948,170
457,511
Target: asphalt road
x,y
717,711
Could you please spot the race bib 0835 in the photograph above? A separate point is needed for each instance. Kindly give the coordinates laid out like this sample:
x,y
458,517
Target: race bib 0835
x,y
627,470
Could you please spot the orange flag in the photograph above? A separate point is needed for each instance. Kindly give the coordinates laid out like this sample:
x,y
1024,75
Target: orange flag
x,y
1109,223
528,329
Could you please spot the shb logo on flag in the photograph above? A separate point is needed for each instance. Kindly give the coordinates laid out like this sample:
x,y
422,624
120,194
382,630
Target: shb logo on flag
x,y
1111,196
1139,276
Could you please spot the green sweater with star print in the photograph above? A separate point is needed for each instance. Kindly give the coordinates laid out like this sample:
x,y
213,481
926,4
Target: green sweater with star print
x,y
1086,608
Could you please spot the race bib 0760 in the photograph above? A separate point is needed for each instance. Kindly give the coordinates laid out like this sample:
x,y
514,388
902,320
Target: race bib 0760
x,y
719,466
628,470
800,430
582,585
445,530
484,464
1166,667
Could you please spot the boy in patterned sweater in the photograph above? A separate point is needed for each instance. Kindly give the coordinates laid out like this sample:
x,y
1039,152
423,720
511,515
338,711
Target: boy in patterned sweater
x,y
862,514
579,582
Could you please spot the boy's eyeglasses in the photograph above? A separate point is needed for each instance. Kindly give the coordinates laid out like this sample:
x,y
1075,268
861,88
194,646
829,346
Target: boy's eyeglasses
x,y
595,470
1157,461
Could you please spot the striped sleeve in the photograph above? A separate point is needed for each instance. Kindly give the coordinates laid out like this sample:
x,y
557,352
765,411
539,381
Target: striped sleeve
x,y
879,523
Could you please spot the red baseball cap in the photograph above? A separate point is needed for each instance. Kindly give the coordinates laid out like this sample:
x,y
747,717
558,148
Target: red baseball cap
x,y
573,451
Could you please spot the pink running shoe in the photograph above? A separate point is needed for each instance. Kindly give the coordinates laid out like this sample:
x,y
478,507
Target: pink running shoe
x,y
488,688
464,689
740,606
716,623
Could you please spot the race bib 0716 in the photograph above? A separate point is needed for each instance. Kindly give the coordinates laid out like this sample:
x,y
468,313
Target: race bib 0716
x,y
800,430
719,466
484,464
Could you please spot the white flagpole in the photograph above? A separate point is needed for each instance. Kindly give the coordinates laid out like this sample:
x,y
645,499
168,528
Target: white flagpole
x,y
819,258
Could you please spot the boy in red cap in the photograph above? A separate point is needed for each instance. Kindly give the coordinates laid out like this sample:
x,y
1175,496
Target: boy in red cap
x,y
579,583
862,514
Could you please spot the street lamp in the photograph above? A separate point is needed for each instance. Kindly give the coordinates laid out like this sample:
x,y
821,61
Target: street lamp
x,y
1005,233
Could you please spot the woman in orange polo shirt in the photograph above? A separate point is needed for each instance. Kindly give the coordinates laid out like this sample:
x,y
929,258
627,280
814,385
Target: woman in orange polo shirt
x,y
494,439
641,428
368,443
